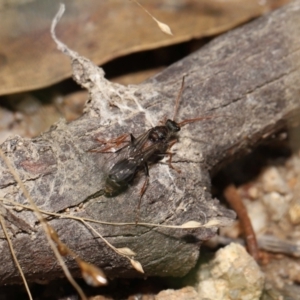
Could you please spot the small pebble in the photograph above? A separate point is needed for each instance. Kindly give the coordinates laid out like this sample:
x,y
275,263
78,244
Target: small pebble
x,y
294,214
232,274
273,182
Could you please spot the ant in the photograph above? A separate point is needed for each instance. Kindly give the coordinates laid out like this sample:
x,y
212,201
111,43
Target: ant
x,y
135,156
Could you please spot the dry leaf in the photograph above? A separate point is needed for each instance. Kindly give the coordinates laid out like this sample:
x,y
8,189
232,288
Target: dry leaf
x,y
101,31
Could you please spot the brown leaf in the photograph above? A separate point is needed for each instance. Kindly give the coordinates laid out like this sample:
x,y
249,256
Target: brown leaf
x,y
101,31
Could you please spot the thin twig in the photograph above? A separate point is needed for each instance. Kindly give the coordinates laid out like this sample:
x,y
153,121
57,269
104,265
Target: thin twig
x,y
189,225
235,201
14,256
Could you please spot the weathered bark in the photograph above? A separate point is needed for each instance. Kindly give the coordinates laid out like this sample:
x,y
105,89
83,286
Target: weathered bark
x,y
248,79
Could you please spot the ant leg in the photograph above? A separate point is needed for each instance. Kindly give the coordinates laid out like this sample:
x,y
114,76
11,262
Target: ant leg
x,y
170,162
117,140
143,190
112,143
171,155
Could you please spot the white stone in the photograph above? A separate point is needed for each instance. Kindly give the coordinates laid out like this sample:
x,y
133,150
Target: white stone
x,y
258,215
232,275
277,205
273,182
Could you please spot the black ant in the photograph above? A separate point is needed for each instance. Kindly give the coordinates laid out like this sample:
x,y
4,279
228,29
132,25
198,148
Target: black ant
x,y
135,156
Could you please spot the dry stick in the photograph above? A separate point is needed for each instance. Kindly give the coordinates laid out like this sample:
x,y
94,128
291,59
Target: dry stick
x,y
187,225
89,269
14,256
125,252
136,264
91,274
44,225
235,201
119,251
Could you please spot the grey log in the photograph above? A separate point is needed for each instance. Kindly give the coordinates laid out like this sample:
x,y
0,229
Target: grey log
x,y
248,79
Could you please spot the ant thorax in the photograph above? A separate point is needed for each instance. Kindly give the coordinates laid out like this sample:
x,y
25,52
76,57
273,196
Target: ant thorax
x,y
163,134
158,134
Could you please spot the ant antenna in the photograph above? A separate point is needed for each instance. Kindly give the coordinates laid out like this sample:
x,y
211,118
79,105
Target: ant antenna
x,y
178,99
188,121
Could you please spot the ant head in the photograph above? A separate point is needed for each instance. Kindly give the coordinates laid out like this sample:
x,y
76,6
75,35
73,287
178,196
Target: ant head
x,y
172,126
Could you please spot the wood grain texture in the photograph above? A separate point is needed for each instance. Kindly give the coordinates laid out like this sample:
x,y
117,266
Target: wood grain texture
x,y
249,79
